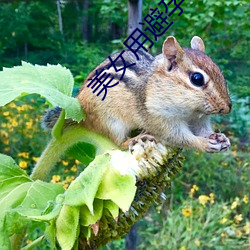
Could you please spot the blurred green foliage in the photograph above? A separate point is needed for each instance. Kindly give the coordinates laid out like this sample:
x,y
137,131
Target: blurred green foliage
x,y
30,32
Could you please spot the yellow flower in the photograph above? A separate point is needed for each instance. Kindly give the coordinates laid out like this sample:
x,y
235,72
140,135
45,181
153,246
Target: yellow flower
x,y
29,124
77,162
197,242
55,178
6,113
23,164
238,218
234,152
24,154
73,168
245,199
12,105
70,178
4,134
223,235
187,211
65,185
224,164
35,159
182,248
203,199
247,227
223,220
14,123
193,190
238,233
235,203
211,195
65,163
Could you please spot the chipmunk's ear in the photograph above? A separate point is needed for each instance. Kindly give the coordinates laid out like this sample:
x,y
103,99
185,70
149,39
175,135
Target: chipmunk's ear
x,y
172,50
197,43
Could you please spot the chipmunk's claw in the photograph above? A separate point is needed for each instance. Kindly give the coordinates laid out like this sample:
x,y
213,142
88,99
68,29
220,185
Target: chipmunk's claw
x,y
141,139
218,142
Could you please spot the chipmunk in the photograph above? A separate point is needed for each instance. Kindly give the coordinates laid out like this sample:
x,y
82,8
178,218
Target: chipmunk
x,y
170,96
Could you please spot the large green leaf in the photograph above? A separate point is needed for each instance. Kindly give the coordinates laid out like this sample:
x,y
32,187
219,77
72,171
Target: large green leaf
x,y
118,188
67,226
21,197
83,189
83,152
9,168
86,218
53,82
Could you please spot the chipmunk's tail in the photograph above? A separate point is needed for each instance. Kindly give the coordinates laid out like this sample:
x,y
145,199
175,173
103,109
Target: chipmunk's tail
x,y
50,118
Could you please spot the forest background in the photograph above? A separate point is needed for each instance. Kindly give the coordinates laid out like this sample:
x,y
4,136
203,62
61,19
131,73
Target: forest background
x,y
207,205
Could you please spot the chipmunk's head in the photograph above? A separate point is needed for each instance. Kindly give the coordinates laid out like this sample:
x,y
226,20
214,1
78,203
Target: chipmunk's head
x,y
195,78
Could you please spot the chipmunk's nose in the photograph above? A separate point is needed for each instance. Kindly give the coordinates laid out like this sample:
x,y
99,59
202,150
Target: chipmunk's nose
x,y
227,108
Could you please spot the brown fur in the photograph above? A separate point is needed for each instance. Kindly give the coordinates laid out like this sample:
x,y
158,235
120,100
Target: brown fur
x,y
156,95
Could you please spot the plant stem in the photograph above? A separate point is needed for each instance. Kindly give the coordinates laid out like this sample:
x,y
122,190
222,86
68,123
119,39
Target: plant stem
x,y
57,147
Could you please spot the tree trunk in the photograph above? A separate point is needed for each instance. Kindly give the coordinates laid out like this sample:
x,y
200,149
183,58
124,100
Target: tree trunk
x,y
131,238
59,16
134,15
85,31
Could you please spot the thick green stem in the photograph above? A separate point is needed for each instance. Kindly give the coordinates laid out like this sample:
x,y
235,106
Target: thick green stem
x,y
57,147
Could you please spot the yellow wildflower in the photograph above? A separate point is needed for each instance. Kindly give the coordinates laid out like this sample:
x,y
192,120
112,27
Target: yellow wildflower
x,y
23,164
247,227
12,105
211,195
29,124
55,178
182,248
234,152
224,164
65,163
6,113
77,162
70,178
14,123
238,218
245,199
197,242
187,211
223,235
4,134
223,220
238,233
193,190
203,199
6,141
73,168
24,155
65,185
35,159
235,203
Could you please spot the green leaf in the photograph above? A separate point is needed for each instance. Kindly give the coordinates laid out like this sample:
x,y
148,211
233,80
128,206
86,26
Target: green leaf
x,y
83,152
83,189
53,82
112,208
9,168
39,194
67,226
6,186
86,218
118,188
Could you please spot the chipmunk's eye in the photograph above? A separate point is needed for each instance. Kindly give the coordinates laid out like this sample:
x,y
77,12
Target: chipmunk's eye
x,y
197,79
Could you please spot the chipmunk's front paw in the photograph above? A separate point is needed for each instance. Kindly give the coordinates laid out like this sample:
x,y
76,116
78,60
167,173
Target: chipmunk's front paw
x,y
217,142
